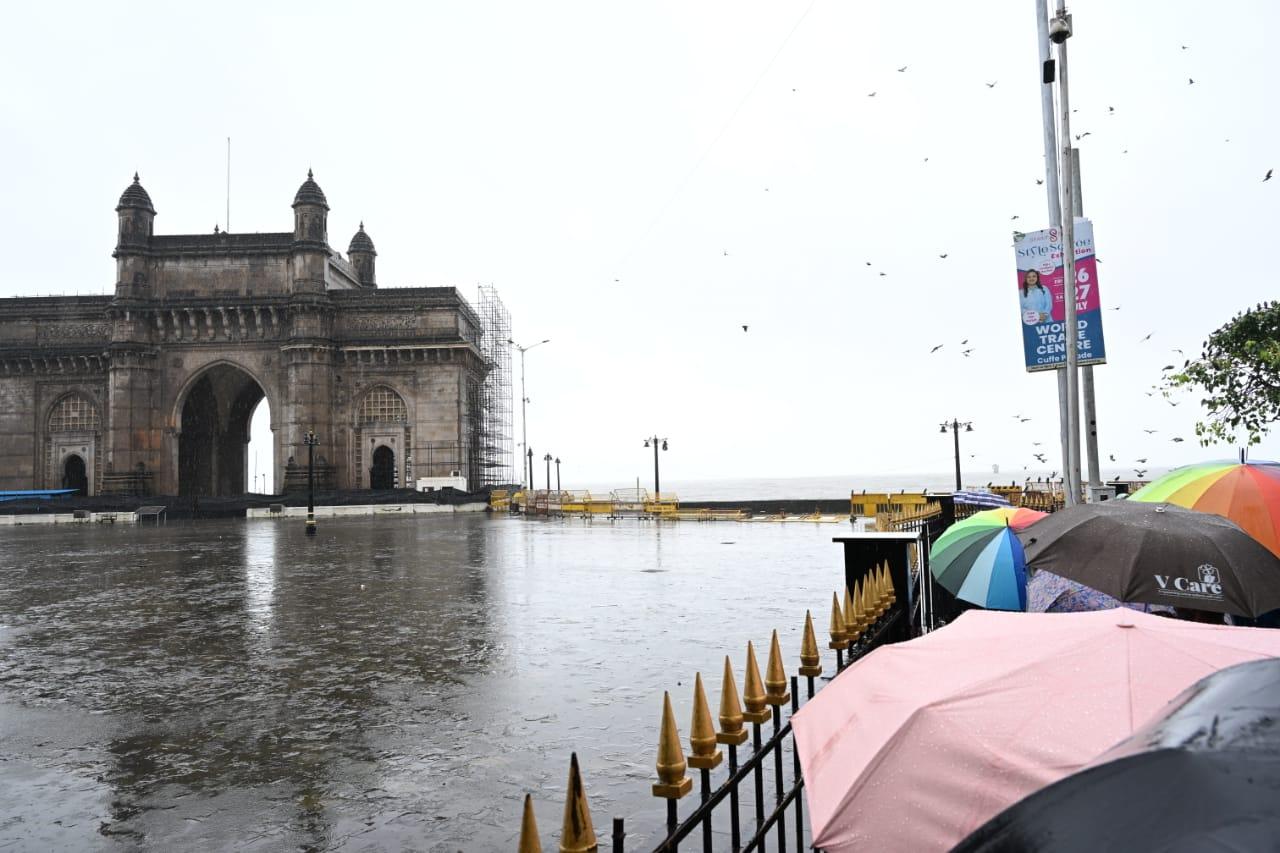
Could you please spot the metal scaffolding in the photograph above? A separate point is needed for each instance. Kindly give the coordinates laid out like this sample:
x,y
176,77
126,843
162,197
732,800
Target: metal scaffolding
x,y
497,461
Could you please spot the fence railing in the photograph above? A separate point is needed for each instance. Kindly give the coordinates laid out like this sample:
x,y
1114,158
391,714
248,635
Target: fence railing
x,y
764,784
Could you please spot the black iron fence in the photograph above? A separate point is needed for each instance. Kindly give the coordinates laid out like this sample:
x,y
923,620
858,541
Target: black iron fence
x,y
759,801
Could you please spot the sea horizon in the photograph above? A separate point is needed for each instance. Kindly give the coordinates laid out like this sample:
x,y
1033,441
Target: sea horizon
x,y
833,486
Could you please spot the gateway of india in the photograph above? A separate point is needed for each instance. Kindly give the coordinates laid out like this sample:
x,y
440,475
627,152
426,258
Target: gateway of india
x,y
150,391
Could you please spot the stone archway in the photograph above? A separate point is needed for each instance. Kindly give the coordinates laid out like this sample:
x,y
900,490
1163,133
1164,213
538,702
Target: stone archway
x,y
383,473
75,475
214,432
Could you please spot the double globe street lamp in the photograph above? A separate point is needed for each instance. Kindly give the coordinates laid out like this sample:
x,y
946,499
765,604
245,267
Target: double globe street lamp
x,y
311,440
657,488
954,425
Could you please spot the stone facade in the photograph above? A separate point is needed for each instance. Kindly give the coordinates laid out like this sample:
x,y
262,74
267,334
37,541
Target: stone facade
x,y
151,390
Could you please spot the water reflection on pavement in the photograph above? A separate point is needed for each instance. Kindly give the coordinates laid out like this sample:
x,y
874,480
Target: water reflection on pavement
x,y
392,683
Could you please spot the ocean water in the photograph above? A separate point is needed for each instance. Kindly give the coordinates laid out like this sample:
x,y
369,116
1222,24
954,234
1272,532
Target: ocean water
x,y
835,486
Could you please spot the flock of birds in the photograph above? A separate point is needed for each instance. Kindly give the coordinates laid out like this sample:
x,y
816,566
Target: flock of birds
x,y
966,351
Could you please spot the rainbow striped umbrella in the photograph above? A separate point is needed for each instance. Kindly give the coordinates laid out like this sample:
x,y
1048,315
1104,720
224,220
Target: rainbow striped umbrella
x,y
980,560
1247,493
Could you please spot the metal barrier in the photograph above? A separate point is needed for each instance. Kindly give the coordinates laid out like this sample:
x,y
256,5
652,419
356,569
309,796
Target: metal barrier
x,y
867,618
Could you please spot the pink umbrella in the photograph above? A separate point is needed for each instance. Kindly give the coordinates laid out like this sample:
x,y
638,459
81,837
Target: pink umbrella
x,y
918,744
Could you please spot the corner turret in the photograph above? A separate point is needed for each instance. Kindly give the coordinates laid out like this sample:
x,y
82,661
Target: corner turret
x,y
362,253
310,213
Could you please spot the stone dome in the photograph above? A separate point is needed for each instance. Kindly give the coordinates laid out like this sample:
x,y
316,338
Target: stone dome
x,y
310,193
136,197
361,243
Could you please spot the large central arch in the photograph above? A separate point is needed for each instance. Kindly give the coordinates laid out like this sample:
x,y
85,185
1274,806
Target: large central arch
x,y
214,431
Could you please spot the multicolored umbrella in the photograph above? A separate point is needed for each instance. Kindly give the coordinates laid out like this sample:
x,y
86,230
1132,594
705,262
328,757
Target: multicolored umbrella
x,y
1248,493
980,560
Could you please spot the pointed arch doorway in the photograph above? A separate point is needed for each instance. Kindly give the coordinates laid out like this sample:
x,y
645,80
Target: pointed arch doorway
x,y
213,445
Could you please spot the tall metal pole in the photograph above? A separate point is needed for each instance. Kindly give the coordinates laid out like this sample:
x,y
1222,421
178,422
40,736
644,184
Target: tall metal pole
x,y
310,439
1051,193
547,459
657,489
1069,268
557,473
955,432
1086,371
524,422
529,455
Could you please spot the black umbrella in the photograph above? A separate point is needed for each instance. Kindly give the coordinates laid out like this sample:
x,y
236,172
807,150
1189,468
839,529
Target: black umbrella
x,y
1203,776
1157,554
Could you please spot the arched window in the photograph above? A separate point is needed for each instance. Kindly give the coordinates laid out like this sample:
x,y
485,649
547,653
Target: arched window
x,y
380,406
73,413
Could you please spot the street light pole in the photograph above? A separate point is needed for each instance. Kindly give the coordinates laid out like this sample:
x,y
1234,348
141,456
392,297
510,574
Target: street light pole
x,y
954,425
657,487
311,441
557,473
529,469
524,401
547,459
1059,32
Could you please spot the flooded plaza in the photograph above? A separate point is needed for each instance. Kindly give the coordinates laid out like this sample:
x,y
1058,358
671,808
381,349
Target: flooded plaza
x,y
392,683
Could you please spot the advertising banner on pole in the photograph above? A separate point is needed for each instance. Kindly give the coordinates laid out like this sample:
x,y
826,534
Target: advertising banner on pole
x,y
1041,298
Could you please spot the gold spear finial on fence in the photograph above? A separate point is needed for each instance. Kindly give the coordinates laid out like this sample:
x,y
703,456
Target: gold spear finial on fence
x,y
810,660
882,587
529,842
888,584
753,691
672,784
775,677
873,596
839,632
860,609
851,623
731,730
702,737
577,835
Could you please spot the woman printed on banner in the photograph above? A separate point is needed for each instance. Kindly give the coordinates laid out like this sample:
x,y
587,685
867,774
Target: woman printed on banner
x,y
1037,301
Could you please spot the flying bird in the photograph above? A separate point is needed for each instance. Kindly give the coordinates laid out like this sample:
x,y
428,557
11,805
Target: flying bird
x,y
868,263
965,353
935,349
1036,443
1147,338
1184,47
1039,182
943,255
1176,440
903,68
1011,218
1023,420
965,341
1111,110
1141,461
1179,352
1190,82
872,95
883,274
726,252
1149,432
1268,177
992,85
1112,457
744,328
1141,473
1116,308
1167,367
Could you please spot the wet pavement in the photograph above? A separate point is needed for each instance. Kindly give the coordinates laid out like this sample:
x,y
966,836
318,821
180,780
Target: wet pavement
x,y
392,683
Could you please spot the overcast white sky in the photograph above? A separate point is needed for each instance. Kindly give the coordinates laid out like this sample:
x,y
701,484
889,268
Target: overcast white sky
x,y
595,161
